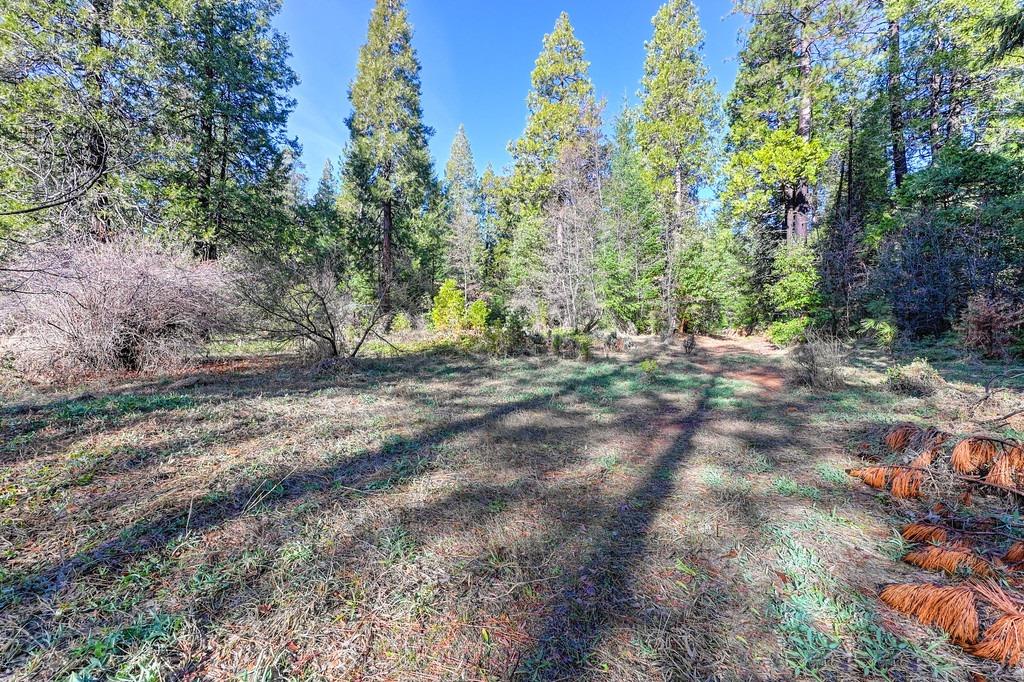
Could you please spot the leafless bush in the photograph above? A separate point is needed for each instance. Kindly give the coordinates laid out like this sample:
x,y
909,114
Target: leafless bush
x,y
818,361
303,301
990,325
124,305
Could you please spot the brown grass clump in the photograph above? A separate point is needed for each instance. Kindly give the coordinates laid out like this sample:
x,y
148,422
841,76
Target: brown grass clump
x,y
948,559
899,436
876,477
1006,468
971,455
924,532
954,609
1004,639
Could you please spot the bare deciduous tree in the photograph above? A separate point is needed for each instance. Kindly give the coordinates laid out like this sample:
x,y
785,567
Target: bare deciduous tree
x,y
573,218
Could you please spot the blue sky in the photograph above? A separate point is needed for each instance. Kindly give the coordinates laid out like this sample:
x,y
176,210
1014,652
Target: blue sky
x,y
476,57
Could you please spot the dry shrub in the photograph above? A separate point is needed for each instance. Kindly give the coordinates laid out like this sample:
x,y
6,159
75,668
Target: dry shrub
x,y
818,361
128,304
990,325
924,532
899,436
948,559
971,455
916,378
954,609
303,301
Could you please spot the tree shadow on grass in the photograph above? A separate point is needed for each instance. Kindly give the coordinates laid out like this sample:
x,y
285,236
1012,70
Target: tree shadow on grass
x,y
44,579
603,585
585,605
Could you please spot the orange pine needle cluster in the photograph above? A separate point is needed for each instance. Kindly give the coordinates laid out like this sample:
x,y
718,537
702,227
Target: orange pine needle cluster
x,y
876,477
1006,468
924,532
948,559
971,455
1003,641
953,609
906,483
899,436
1015,554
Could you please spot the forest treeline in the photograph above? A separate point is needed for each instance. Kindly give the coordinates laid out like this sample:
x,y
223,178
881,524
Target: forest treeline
x,y
865,176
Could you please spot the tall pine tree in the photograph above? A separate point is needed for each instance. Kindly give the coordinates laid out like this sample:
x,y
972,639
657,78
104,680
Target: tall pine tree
x,y
561,110
679,111
228,82
462,199
631,256
388,176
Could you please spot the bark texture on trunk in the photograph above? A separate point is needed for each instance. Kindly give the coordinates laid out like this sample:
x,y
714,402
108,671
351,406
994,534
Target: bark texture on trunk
x,y
798,218
387,256
97,150
894,70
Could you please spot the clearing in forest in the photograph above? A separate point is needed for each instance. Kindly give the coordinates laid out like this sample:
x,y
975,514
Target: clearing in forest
x,y
648,515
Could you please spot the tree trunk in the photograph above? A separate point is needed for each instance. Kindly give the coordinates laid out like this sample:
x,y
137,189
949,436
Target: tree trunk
x,y
799,219
97,162
935,106
789,203
894,71
669,285
205,248
387,255
678,175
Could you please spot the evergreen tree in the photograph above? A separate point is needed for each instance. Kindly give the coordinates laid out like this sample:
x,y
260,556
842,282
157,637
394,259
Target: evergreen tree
x,y
388,175
494,234
561,110
228,82
78,114
462,196
322,216
631,258
679,112
679,104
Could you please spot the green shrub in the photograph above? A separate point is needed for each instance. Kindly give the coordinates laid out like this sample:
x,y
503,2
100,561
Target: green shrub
x,y
650,368
449,307
796,293
571,344
916,378
507,335
883,332
401,323
477,315
788,332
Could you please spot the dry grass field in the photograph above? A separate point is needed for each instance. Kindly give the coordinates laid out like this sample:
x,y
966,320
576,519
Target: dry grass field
x,y
647,515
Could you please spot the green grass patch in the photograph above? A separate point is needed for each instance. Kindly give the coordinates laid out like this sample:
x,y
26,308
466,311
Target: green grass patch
x,y
783,485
